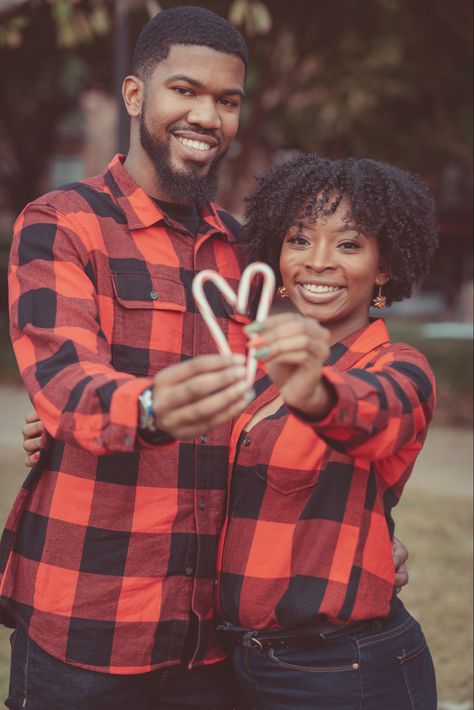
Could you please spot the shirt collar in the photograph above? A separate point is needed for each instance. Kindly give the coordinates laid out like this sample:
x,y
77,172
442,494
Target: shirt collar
x,y
139,209
350,349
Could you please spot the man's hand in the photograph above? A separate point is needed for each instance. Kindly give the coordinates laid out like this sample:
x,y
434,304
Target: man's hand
x,y
400,556
32,432
193,396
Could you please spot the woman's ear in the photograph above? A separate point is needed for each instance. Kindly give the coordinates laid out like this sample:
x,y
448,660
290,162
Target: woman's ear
x,y
132,92
382,277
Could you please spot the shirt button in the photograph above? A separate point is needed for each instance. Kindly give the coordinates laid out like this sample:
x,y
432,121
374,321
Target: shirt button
x,y
154,295
98,442
202,504
355,666
344,415
189,571
127,441
203,439
247,441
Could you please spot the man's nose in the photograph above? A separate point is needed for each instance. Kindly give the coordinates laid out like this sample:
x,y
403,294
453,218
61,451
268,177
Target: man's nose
x,y
204,113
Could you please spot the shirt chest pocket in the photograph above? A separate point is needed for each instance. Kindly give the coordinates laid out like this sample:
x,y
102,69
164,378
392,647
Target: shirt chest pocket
x,y
295,460
147,320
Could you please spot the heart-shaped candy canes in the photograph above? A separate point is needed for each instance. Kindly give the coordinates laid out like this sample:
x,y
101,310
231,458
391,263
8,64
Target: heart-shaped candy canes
x,y
238,300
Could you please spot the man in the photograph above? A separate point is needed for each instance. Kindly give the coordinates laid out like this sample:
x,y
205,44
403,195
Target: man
x,y
107,560
108,556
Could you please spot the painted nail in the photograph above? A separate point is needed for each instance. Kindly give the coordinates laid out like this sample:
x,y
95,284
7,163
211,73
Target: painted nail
x,y
239,372
238,359
36,455
257,342
261,353
255,327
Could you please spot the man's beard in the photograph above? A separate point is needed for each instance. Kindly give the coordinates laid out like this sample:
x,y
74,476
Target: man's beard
x,y
180,186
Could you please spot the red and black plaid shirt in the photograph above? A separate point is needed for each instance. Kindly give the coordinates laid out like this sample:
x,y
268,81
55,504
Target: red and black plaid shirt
x,y
309,529
112,542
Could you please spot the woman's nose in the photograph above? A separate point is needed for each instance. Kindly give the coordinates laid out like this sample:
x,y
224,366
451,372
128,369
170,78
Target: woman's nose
x,y
320,257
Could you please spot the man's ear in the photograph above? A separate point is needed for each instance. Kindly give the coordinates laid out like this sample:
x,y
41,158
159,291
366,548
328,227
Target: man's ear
x,y
132,92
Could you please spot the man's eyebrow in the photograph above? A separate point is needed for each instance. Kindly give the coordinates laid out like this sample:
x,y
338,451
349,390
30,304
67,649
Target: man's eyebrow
x,y
232,91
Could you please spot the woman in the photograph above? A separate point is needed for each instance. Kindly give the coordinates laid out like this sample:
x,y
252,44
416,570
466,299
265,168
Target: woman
x,y
318,460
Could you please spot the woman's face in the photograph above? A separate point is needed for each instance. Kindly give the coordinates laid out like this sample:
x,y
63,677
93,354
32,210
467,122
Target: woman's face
x,y
330,269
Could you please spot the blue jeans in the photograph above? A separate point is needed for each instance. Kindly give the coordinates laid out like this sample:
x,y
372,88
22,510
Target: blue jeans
x,y
385,668
40,682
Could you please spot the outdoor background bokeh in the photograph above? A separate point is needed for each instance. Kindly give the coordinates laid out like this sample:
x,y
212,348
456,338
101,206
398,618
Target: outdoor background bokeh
x,y
386,79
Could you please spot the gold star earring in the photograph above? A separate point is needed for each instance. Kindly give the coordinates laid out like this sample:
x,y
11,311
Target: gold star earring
x,y
282,292
380,301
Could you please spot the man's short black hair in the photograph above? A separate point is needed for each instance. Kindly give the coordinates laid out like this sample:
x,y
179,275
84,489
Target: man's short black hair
x,y
391,204
186,25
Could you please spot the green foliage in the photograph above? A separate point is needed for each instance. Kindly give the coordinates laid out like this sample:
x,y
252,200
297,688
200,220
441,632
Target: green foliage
x,y
11,31
253,17
451,360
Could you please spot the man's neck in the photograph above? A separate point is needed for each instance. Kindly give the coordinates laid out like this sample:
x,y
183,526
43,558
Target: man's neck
x,y
141,170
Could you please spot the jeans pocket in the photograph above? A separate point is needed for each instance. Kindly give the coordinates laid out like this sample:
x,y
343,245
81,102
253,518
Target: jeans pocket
x,y
317,678
418,673
310,661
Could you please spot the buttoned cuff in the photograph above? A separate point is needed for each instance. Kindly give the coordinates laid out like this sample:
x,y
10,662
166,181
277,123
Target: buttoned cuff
x,y
121,433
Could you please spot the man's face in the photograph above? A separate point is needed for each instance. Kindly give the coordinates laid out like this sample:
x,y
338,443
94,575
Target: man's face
x,y
190,114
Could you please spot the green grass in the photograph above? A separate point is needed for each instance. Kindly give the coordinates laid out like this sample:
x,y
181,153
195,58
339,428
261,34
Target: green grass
x,y
451,360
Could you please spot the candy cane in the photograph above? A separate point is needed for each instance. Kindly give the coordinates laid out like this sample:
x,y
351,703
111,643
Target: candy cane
x,y
239,301
263,308
205,309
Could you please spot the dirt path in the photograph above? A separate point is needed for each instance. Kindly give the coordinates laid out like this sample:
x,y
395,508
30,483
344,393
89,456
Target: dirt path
x,y
444,466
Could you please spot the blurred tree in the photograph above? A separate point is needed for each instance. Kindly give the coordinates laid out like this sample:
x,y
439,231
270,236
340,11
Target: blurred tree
x,y
43,67
384,78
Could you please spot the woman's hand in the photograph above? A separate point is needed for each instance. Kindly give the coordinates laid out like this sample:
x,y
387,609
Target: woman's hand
x,y
294,349
193,396
32,432
400,557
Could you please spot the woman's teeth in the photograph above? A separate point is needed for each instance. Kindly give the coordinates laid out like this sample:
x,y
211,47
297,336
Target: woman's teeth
x,y
313,288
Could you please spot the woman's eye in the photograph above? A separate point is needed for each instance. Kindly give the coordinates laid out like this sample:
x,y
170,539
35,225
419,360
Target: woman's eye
x,y
297,239
348,246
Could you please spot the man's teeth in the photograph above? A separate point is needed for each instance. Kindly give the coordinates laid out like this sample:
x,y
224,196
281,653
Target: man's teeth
x,y
198,145
314,288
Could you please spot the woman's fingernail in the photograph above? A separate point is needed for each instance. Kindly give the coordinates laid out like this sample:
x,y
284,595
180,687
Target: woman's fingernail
x,y
238,359
261,352
255,327
257,343
36,455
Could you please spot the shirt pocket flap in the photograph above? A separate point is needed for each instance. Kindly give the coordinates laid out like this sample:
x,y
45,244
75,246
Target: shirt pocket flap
x,y
287,481
231,313
150,291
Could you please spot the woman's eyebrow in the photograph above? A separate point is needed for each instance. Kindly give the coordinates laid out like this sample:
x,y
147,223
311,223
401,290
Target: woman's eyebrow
x,y
347,228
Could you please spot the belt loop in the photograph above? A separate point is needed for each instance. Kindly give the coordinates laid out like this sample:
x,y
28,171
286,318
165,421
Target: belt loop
x,y
249,640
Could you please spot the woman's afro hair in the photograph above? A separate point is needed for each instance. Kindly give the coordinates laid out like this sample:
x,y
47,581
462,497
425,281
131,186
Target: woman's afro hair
x,y
393,205
185,25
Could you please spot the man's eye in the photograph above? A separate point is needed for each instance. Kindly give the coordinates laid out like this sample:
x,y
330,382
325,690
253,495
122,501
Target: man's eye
x,y
228,103
182,91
